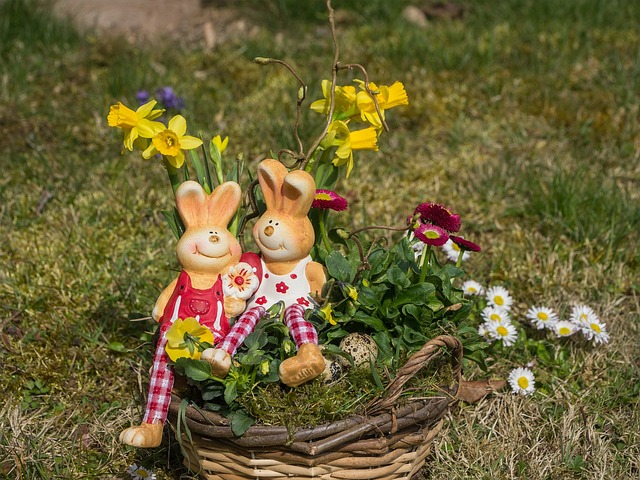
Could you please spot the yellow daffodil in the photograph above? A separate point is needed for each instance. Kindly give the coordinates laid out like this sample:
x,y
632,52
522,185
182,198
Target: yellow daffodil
x,y
171,142
387,97
220,144
345,101
135,124
327,313
184,337
339,135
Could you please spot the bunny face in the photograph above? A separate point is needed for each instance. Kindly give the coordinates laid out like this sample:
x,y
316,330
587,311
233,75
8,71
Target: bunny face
x,y
207,246
284,232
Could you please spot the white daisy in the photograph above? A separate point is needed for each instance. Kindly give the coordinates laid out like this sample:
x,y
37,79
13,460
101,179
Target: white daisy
x,y
499,297
497,315
483,331
542,317
596,331
453,251
503,331
140,473
582,314
563,328
522,381
471,287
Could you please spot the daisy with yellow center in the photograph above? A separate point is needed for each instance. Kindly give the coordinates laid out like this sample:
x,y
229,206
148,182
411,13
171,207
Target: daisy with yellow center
x,y
582,314
522,381
564,328
171,142
140,473
496,315
136,124
187,338
504,332
386,96
339,135
452,251
541,317
471,287
595,330
499,297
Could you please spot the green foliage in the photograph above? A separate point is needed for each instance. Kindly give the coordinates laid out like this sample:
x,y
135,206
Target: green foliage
x,y
397,303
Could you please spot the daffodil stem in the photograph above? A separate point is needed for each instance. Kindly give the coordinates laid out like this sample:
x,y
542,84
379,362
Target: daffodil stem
x,y
174,174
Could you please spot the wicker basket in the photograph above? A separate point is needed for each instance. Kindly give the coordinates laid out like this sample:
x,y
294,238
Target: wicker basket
x,y
390,442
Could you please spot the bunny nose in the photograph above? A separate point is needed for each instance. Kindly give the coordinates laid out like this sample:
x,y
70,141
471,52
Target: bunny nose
x,y
214,239
268,231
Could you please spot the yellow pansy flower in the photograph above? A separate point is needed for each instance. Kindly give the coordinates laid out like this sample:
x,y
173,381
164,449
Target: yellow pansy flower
x,y
135,124
327,313
388,97
345,100
183,338
339,135
171,142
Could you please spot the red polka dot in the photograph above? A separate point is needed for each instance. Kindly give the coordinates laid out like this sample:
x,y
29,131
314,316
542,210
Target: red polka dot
x,y
294,276
266,275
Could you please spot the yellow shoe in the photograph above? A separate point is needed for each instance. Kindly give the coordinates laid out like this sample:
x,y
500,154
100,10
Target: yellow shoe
x,y
306,365
146,435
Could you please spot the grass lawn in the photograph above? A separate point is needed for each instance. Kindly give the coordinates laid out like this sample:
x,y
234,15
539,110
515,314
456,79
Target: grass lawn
x,y
523,117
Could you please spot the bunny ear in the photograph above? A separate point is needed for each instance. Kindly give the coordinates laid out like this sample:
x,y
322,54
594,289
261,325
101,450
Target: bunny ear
x,y
271,175
191,202
223,203
298,192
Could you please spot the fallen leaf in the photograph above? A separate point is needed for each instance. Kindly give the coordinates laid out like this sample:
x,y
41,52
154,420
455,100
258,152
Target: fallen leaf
x,y
474,391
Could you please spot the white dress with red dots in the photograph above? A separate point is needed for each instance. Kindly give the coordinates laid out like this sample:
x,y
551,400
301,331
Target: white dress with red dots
x,y
294,290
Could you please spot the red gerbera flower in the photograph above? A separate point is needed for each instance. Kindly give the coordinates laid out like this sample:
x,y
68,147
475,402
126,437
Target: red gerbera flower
x,y
438,215
465,245
327,199
431,234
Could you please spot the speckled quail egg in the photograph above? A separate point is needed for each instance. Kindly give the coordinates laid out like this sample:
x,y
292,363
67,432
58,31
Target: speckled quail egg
x,y
332,370
361,347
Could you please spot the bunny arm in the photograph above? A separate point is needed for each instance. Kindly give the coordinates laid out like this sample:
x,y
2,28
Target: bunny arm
x,y
163,299
233,306
316,277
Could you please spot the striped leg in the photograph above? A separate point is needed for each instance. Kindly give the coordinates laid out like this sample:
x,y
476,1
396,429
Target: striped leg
x,y
240,329
301,330
161,383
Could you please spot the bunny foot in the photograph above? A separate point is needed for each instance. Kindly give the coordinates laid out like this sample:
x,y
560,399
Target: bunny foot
x,y
219,360
146,435
306,365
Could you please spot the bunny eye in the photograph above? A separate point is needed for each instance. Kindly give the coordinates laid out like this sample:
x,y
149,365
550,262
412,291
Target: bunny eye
x,y
270,221
277,223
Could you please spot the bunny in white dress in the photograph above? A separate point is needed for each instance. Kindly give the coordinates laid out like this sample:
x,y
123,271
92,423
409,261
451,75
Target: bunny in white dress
x,y
285,236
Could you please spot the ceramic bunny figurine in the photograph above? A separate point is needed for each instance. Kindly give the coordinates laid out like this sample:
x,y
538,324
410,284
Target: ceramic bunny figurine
x,y
205,251
285,236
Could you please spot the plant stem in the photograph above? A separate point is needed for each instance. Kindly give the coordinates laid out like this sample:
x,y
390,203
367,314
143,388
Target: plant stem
x,y
323,231
425,262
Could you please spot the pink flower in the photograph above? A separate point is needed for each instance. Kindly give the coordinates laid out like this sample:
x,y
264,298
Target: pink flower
x,y
431,234
262,300
439,216
327,199
465,245
282,287
303,301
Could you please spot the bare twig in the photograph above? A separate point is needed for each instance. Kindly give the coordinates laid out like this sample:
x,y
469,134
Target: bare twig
x,y
249,201
302,93
378,227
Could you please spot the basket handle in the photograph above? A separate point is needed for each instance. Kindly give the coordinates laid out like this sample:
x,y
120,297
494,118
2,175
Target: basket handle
x,y
431,350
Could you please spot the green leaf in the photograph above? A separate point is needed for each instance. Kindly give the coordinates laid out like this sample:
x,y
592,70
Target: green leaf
x,y
375,323
339,267
116,346
173,220
196,370
397,277
416,294
240,422
199,168
230,391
